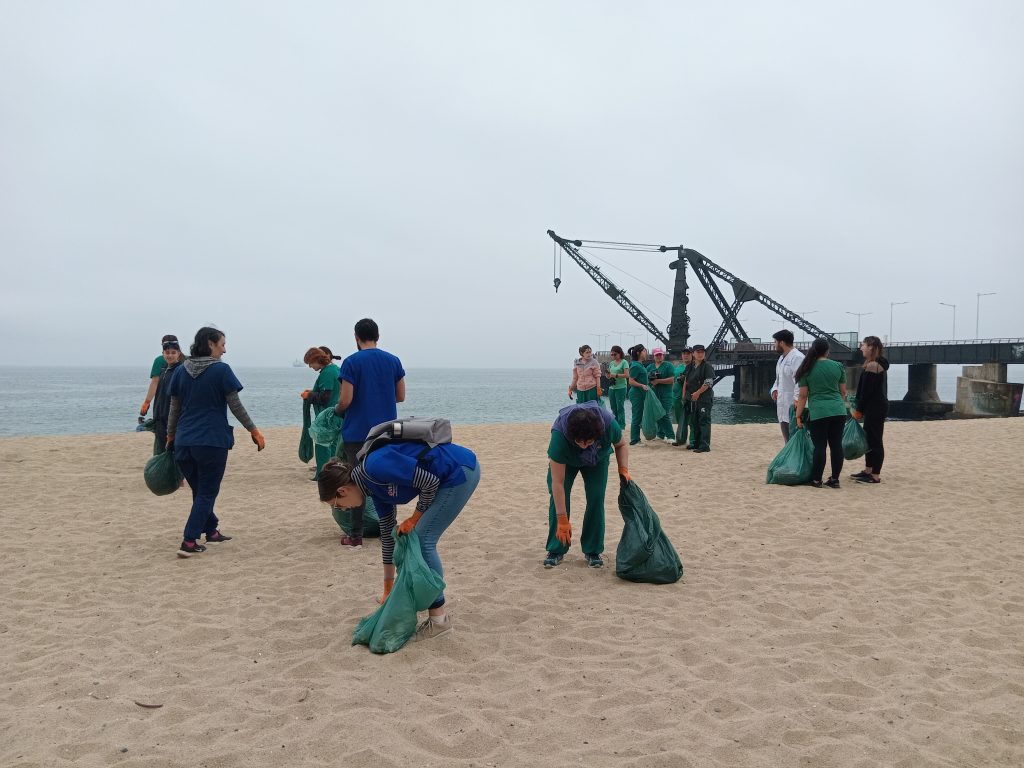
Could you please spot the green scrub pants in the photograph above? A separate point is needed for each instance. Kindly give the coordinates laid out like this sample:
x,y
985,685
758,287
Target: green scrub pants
x,y
586,395
700,416
595,483
684,427
323,453
636,402
617,399
665,422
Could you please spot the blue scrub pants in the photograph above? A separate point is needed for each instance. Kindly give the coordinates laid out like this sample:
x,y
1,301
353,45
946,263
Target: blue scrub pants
x,y
203,466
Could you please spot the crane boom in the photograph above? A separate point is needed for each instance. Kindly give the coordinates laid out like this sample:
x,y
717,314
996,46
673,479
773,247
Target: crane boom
x,y
572,247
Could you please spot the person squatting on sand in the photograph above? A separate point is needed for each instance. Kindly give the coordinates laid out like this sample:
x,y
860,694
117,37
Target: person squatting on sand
x,y
662,374
823,392
172,358
586,376
372,384
638,387
698,381
582,439
202,389
325,394
784,389
872,405
618,372
441,480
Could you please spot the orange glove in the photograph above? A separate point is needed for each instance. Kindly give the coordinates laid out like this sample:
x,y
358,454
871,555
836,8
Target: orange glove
x,y
388,584
564,531
624,477
600,392
145,408
409,523
304,394
258,439
857,415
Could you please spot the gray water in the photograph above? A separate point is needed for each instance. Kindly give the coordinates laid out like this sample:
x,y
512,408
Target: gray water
x,y
70,401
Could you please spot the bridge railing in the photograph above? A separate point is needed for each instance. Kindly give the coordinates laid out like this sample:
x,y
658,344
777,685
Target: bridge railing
x,y
947,342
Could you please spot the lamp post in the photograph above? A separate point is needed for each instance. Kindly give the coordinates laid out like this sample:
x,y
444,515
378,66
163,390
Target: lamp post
x,y
891,305
599,337
977,314
803,333
954,316
859,315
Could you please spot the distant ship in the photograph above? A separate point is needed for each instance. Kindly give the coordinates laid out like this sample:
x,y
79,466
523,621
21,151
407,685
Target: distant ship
x,y
298,364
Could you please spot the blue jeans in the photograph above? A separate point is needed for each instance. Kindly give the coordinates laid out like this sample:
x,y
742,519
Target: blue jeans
x,y
203,467
446,507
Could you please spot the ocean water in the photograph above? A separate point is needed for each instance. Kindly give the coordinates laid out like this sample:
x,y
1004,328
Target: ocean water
x,y
75,401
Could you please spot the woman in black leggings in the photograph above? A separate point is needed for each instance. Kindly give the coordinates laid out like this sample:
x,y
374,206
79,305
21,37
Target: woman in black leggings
x,y
822,385
872,405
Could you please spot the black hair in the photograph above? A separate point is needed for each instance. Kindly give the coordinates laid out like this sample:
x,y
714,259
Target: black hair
x,y
205,337
818,348
617,350
785,336
335,474
584,424
367,330
330,354
634,351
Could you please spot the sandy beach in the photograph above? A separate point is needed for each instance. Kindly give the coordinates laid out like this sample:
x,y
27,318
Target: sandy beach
x,y
869,626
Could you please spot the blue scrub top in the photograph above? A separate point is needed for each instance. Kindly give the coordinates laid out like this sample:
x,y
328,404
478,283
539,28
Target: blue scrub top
x,y
373,374
204,411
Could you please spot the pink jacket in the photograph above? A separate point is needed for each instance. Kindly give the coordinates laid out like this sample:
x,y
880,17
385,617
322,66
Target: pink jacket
x,y
586,375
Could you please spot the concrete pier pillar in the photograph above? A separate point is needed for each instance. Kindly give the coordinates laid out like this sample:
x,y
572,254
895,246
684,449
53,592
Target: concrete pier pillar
x,y
756,383
984,391
921,384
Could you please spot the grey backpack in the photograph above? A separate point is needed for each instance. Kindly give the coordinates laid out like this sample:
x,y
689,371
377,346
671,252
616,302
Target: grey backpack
x,y
419,429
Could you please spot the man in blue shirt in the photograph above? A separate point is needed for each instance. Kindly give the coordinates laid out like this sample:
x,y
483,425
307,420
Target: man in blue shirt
x,y
372,384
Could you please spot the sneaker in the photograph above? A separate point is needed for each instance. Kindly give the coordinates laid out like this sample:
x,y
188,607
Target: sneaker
x,y
634,442
218,536
832,482
702,450
814,483
187,549
859,475
429,629
690,447
352,542
594,561
552,560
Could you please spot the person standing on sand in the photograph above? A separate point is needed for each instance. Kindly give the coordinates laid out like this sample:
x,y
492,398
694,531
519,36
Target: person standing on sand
x,y
582,440
162,398
325,394
872,405
823,390
201,390
784,389
698,392
586,376
441,480
618,372
372,384
680,409
154,375
662,374
638,387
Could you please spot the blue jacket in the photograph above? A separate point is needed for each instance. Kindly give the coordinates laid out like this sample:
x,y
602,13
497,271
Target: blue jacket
x,y
389,470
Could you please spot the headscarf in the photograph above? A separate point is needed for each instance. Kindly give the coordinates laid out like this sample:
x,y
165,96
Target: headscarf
x,y
588,455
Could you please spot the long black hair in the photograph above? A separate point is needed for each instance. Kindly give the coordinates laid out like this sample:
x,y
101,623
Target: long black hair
x,y
205,336
634,352
818,348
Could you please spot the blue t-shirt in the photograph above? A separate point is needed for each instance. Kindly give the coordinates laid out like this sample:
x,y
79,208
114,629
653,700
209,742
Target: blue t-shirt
x,y
373,374
204,410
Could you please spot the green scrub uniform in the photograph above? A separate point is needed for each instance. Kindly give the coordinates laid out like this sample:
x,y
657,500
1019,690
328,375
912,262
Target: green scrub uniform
x,y
700,411
327,381
595,483
586,395
664,392
638,373
617,392
680,411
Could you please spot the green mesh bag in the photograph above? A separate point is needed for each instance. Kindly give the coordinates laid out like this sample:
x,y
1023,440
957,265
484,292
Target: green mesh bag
x,y
161,474
653,411
326,428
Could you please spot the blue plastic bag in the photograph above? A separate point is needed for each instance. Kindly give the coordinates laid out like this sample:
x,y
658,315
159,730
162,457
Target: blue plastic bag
x,y
416,587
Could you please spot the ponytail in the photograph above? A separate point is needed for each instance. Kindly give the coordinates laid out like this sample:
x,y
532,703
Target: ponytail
x,y
334,475
818,348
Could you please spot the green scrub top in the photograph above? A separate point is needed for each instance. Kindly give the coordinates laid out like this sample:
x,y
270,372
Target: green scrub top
x,y
677,388
638,372
158,366
822,382
564,452
328,381
620,367
663,371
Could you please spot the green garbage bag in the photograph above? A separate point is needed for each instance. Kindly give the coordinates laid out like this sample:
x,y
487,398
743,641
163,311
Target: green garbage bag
x,y
644,554
371,521
305,441
792,465
326,428
161,474
653,411
416,587
855,442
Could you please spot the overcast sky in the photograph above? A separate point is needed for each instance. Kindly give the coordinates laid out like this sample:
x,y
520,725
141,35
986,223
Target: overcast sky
x,y
282,169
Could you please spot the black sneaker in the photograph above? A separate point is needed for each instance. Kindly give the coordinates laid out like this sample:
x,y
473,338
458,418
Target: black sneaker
x,y
832,482
188,549
552,560
594,561
217,536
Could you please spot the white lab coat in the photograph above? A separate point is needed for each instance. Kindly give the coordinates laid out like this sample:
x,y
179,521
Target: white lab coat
x,y
785,384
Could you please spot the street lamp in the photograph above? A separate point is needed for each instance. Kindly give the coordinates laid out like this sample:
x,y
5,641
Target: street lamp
x,y
891,305
977,314
599,337
859,315
954,316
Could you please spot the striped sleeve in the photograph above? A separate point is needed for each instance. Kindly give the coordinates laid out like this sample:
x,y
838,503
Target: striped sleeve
x,y
427,484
